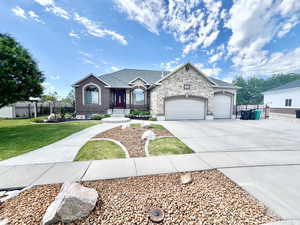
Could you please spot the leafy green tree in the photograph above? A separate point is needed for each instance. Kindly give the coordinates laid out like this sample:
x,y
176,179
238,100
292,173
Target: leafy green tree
x,y
251,89
70,98
20,77
51,97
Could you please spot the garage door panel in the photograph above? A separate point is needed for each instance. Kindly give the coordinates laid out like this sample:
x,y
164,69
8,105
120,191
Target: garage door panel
x,y
183,109
222,106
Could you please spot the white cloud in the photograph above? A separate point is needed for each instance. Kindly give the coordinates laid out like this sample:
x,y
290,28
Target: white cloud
x,y
115,68
74,35
85,54
254,24
18,11
216,54
171,65
50,6
94,29
148,13
56,77
213,71
88,58
48,87
35,17
277,62
190,23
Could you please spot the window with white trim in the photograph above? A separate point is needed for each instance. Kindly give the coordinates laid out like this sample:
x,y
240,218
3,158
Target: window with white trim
x,y
91,95
138,96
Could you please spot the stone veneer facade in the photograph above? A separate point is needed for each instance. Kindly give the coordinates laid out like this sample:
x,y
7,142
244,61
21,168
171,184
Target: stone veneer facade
x,y
173,86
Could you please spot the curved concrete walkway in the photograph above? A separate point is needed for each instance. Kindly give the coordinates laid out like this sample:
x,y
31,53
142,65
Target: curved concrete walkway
x,y
64,150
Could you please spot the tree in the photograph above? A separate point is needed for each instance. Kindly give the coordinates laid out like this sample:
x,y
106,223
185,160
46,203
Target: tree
x,y
251,89
20,77
50,97
70,98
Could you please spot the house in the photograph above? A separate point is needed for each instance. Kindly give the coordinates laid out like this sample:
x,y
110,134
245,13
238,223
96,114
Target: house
x,y
285,98
185,93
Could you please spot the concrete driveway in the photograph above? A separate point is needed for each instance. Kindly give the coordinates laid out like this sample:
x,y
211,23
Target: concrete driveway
x,y
263,157
237,135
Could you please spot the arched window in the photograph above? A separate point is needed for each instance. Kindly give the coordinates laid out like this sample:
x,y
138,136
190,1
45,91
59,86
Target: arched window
x,y
138,96
91,95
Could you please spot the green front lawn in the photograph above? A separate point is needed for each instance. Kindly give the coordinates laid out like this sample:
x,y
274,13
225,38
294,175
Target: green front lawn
x,y
100,149
19,136
168,146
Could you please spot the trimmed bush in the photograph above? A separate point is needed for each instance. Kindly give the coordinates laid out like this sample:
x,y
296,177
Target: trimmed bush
x,y
153,119
37,120
99,116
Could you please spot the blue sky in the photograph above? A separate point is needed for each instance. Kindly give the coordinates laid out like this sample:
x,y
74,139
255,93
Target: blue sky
x,y
71,39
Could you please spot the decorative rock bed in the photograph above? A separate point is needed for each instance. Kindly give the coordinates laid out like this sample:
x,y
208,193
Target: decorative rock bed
x,y
130,137
211,198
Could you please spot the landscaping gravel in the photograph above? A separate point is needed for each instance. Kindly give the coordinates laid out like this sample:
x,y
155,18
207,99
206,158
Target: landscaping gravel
x,y
211,198
131,138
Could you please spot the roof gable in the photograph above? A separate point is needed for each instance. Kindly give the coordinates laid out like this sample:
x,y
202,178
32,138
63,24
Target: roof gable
x,y
186,66
88,76
136,79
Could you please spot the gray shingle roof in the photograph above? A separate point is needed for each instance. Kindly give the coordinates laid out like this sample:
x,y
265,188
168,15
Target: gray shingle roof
x,y
292,84
121,78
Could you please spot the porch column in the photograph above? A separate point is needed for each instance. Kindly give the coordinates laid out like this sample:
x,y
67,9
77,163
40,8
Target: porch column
x,y
128,98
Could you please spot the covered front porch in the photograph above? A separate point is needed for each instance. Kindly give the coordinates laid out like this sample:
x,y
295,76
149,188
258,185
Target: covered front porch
x,y
126,99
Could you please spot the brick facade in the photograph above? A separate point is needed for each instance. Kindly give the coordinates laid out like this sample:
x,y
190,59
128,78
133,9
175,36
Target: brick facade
x,y
83,109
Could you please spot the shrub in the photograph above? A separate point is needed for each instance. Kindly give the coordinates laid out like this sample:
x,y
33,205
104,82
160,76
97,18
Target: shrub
x,y
138,112
99,116
62,113
153,119
106,116
37,120
68,116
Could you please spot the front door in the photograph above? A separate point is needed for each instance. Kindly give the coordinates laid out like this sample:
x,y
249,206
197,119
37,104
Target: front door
x,y
120,98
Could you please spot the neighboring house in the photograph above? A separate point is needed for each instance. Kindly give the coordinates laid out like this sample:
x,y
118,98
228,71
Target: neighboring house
x,y
185,93
285,98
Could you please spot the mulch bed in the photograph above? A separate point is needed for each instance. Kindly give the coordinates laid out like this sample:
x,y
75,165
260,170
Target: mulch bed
x,y
211,198
131,138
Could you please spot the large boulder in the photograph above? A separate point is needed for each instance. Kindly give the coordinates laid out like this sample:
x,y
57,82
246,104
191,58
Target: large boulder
x,y
73,202
149,135
146,124
51,117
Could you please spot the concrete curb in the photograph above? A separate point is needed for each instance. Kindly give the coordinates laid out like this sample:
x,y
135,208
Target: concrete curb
x,y
284,222
115,141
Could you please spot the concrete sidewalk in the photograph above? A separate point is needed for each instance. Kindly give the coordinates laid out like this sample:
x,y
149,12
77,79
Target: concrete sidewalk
x,y
48,173
64,150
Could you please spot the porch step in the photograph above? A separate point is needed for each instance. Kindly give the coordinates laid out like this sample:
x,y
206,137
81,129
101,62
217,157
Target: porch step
x,y
118,115
118,111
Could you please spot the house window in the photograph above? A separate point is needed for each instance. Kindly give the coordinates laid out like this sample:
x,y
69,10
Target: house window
x,y
138,96
91,95
288,102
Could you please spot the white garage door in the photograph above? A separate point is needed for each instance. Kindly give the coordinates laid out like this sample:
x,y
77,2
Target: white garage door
x,y
184,109
222,107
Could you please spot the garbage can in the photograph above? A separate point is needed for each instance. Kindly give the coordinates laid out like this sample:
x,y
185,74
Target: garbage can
x,y
298,113
257,114
245,115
